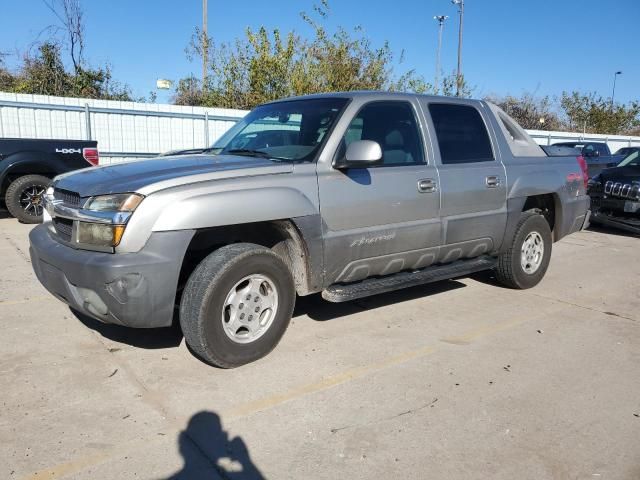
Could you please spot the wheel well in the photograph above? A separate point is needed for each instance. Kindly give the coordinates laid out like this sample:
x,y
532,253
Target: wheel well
x,y
547,204
16,173
281,236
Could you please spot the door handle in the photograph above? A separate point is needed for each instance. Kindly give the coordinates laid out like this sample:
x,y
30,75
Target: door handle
x,y
492,181
427,185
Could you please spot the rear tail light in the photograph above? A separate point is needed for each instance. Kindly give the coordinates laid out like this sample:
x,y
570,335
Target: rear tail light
x,y
91,155
583,166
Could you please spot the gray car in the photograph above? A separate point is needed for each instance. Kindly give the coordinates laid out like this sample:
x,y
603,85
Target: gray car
x,y
347,194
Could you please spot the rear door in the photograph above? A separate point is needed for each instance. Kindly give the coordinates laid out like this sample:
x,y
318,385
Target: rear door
x,y
472,180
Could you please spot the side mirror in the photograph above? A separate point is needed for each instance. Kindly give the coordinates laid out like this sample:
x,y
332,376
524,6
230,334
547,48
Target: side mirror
x,y
361,154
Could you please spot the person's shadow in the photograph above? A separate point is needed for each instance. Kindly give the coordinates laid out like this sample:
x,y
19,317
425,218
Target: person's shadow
x,y
207,450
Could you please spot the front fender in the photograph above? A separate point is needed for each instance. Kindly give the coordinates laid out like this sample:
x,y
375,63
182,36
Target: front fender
x,y
234,207
179,210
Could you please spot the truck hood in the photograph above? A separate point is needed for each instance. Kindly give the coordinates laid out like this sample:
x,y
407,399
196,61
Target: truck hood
x,y
147,176
625,174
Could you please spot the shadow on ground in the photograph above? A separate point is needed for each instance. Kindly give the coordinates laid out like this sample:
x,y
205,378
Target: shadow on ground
x,y
206,448
611,231
316,308
149,338
488,277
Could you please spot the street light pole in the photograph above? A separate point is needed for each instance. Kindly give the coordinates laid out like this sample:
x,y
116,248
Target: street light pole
x,y
440,19
613,93
205,43
460,4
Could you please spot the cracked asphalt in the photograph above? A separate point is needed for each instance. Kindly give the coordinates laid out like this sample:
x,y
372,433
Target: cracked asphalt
x,y
461,379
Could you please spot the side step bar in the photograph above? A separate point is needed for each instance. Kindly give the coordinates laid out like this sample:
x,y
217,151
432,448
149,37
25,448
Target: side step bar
x,y
344,292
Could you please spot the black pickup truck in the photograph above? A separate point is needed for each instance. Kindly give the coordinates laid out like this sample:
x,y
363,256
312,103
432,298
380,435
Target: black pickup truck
x,y
27,167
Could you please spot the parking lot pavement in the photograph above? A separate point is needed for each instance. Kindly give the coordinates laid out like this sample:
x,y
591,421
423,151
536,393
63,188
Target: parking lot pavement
x,y
459,379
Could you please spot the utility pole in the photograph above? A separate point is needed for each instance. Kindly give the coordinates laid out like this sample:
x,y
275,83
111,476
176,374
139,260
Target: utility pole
x,y
613,93
460,4
440,19
205,44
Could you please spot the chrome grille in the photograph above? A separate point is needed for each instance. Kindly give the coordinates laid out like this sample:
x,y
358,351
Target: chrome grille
x,y
71,199
63,227
622,190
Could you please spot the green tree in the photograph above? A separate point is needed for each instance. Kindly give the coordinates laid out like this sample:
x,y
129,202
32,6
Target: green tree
x,y
265,66
593,113
448,87
7,79
44,73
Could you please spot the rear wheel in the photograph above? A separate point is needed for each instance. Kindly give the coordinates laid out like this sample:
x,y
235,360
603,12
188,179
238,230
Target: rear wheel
x,y
237,304
524,264
24,198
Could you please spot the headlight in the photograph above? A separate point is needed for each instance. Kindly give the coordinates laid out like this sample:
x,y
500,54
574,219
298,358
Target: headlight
x,y
99,234
120,202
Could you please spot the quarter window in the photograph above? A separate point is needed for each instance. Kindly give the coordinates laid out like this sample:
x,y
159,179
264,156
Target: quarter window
x,y
462,135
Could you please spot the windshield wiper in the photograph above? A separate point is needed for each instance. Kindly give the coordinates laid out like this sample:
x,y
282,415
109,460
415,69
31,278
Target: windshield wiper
x,y
254,153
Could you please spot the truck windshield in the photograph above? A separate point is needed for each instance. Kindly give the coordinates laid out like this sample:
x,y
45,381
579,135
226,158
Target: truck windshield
x,y
286,131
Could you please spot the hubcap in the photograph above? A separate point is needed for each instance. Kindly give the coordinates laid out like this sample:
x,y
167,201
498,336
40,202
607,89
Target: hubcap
x,y
532,252
31,200
250,308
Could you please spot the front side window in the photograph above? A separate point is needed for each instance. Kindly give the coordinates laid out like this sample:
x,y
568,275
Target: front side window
x,y
393,126
286,131
462,135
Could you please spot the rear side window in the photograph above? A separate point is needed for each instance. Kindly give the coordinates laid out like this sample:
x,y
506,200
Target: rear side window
x,y
462,135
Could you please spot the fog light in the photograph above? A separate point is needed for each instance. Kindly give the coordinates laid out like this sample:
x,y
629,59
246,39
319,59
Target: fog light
x,y
99,234
92,302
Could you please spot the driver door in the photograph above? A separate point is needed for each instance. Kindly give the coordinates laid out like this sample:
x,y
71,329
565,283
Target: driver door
x,y
384,218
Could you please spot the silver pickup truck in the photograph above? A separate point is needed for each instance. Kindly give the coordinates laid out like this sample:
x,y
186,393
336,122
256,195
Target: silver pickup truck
x,y
347,194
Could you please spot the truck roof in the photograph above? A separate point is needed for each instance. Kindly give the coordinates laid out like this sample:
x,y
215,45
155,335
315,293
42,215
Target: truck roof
x,y
376,94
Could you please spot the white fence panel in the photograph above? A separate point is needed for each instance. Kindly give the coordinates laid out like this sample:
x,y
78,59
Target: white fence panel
x,y
138,130
123,129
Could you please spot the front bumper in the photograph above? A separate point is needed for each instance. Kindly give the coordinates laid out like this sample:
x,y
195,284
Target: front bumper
x,y
132,289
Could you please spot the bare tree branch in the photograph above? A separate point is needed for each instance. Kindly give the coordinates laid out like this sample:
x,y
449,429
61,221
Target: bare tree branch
x,y
70,14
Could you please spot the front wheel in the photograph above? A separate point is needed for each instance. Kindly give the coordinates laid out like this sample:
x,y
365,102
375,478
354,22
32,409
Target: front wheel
x,y
237,305
525,262
24,198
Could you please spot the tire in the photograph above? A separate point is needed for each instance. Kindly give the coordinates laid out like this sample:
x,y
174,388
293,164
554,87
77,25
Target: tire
x,y
212,294
517,270
29,188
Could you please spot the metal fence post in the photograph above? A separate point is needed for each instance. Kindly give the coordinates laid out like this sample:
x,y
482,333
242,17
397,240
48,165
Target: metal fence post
x,y
87,120
206,130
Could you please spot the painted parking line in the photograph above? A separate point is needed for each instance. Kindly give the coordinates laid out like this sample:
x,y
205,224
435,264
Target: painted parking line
x,y
267,403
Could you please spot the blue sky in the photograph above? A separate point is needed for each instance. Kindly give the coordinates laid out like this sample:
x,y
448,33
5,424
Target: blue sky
x,y
509,46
